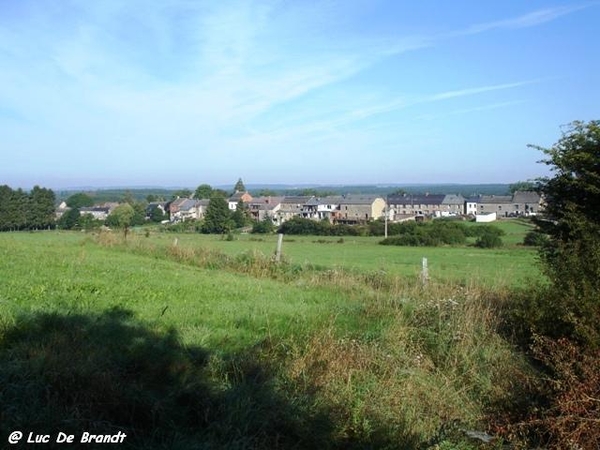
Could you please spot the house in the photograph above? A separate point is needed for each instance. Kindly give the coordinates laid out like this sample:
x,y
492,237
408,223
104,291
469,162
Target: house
x,y
244,197
263,207
417,204
183,209
527,203
291,206
97,212
499,204
452,205
354,209
471,205
60,210
322,208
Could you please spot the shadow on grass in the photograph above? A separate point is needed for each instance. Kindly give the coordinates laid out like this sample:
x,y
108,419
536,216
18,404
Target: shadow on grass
x,y
108,372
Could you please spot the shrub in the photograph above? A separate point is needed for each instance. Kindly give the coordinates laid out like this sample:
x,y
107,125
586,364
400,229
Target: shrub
x,y
488,240
571,394
535,239
265,226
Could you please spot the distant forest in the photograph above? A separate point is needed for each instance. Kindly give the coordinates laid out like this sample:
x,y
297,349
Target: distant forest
x,y
141,194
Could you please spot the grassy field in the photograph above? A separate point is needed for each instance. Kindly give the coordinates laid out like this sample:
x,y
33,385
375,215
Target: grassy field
x,y
512,264
208,344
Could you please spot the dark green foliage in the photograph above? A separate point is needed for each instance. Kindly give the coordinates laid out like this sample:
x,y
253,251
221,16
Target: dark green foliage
x,y
40,213
203,191
429,234
302,226
69,220
522,186
264,226
157,215
571,257
488,240
182,193
79,200
217,219
535,239
239,186
139,216
241,215
26,211
88,222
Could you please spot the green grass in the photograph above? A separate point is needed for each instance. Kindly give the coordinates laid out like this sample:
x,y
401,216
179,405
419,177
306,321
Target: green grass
x,y
186,347
66,272
512,264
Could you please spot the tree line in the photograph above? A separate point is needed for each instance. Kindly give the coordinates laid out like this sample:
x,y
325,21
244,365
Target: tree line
x,y
21,210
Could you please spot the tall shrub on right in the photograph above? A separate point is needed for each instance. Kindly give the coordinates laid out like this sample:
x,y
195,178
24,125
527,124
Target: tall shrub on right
x,y
571,256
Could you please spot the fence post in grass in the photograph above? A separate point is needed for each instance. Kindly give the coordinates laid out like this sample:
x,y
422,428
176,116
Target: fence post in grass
x,y
424,271
279,243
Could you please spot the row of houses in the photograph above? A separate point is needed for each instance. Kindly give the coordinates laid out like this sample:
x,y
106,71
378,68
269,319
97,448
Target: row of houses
x,y
354,209
521,203
347,209
98,212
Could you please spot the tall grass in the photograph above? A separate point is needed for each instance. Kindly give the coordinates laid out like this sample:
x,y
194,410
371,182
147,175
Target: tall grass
x,y
383,362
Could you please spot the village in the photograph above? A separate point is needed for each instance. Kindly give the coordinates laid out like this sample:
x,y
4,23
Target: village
x,y
351,209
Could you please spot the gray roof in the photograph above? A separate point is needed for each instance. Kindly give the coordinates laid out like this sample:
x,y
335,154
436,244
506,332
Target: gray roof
x,y
296,200
526,197
354,199
495,199
453,199
416,199
265,203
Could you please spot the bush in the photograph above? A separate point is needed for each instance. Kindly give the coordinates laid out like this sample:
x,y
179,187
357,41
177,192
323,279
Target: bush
x,y
488,240
265,226
571,396
535,239
431,234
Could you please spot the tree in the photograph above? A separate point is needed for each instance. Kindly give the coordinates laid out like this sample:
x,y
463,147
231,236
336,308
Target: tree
x,y
69,219
267,193
121,217
182,193
157,215
239,186
265,226
40,212
522,186
88,222
217,218
241,215
139,218
203,191
572,255
79,200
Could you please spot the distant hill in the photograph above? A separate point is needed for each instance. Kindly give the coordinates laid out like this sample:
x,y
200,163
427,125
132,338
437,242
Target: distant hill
x,y
101,195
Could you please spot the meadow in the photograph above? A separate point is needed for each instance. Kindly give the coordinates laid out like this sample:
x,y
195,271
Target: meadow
x,y
191,341
512,264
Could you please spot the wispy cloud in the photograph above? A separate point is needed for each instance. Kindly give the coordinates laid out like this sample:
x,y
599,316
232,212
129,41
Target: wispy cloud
x,y
531,19
461,111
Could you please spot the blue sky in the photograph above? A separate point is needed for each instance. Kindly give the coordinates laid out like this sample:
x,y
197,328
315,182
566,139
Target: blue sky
x,y
184,92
